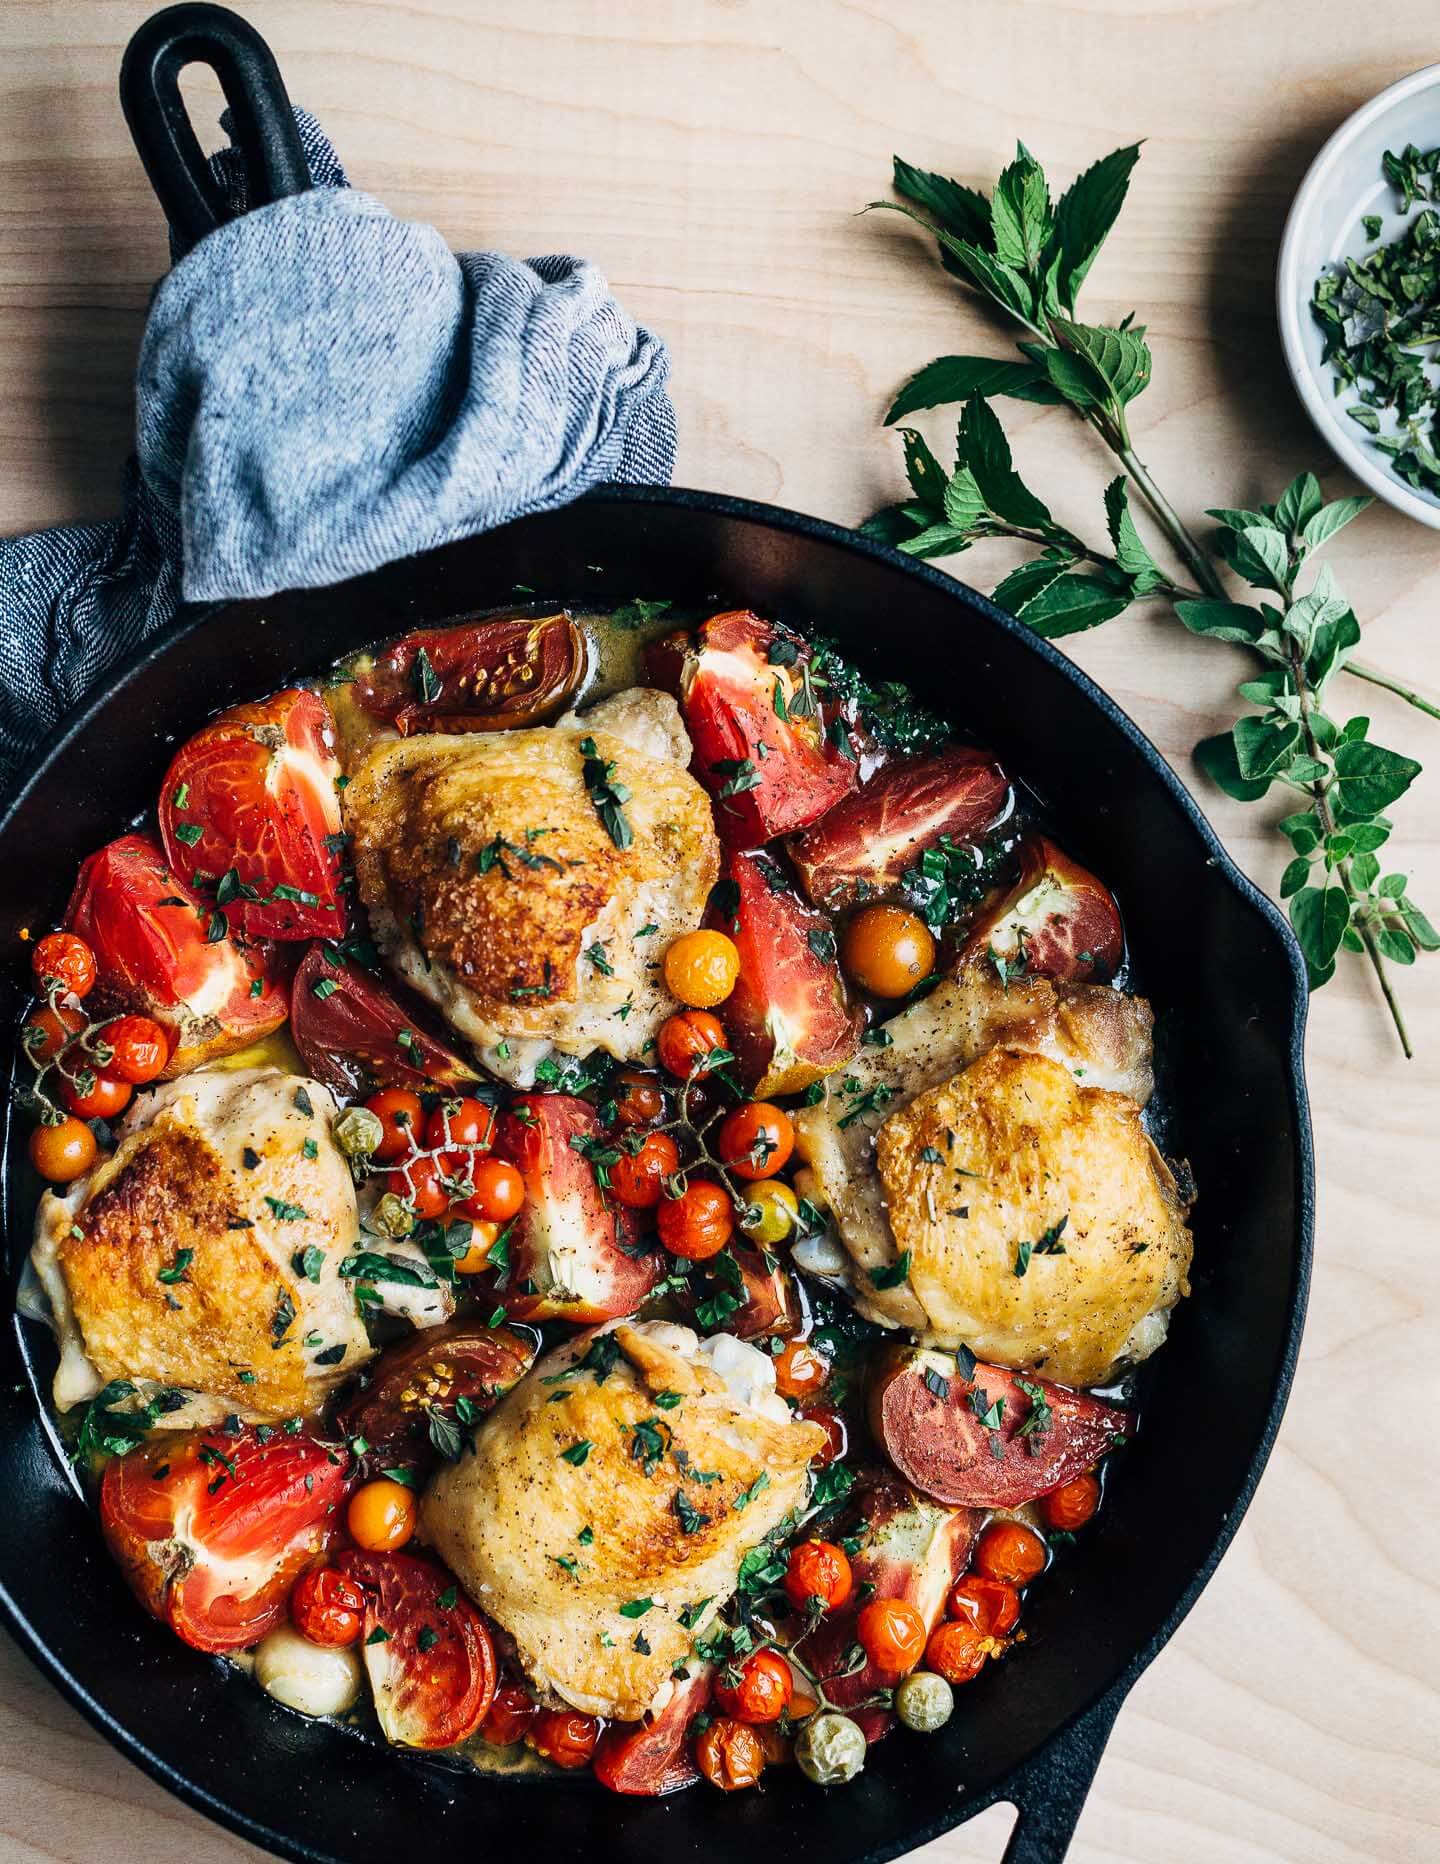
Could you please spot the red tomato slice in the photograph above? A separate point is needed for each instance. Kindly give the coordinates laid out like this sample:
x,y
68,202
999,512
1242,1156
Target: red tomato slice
x,y
148,931
482,676
249,806
653,1758
211,1530
1057,921
431,1372
934,1433
569,1241
864,844
769,774
788,1019
433,1671
354,1032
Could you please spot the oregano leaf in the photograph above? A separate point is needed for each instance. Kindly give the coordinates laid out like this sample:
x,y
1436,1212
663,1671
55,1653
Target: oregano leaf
x,y
1216,757
1330,519
1368,778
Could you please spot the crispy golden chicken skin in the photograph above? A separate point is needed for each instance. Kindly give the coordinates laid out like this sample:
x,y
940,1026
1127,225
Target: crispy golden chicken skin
x,y
1042,1227
175,1259
593,1517
496,890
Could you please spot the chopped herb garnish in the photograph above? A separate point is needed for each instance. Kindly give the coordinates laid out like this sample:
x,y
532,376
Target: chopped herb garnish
x,y
608,796
577,1452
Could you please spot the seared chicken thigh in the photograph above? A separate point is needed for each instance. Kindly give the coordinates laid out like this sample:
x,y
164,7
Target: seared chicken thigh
x,y
203,1254
496,886
612,1495
964,1166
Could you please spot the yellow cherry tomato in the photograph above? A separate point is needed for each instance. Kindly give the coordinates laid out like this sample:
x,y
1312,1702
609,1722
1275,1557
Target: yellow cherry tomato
x,y
483,1235
701,968
381,1515
887,951
772,1212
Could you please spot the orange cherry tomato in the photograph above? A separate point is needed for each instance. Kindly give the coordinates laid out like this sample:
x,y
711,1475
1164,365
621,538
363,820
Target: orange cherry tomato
x,y
800,1371
140,1048
499,1191
639,1099
564,1736
698,1224
756,1140
887,951
63,1152
1072,1504
685,1040
47,1031
892,1635
701,968
381,1515
958,1652
327,1607
419,1185
483,1237
730,1754
511,1713
987,1605
103,1099
818,1569
759,1690
399,1112
638,1178
1008,1551
65,959
466,1123
837,1435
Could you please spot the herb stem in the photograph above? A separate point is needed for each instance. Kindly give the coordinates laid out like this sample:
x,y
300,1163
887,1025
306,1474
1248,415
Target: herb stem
x,y
1363,671
1185,546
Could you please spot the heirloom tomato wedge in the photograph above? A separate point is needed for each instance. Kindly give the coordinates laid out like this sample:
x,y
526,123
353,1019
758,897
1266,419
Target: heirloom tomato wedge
x,y
150,933
647,1759
1058,920
250,808
480,676
352,1030
212,1528
427,1651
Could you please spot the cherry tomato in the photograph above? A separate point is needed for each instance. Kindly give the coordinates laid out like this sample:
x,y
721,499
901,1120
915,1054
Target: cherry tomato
x,y
1072,1504
892,1634
47,1032
511,1713
565,1737
101,1100
730,1755
483,1237
758,1690
465,1122
836,1433
419,1185
326,1607
818,1569
639,1099
756,1140
399,1112
66,959
1008,1551
685,1040
771,1212
638,1178
958,1652
63,1152
987,1605
698,1224
140,1048
381,1515
499,1191
701,968
887,951
800,1371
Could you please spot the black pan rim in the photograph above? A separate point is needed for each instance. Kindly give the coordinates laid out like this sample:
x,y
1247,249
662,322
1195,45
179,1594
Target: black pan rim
x,y
821,531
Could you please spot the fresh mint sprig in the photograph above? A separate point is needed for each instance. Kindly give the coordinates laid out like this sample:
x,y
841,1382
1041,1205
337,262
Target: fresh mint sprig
x,y
1030,258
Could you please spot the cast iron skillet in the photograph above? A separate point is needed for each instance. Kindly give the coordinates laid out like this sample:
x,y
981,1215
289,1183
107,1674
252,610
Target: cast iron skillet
x,y
1219,964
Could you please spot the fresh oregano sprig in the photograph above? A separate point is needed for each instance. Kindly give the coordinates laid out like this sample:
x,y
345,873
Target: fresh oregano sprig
x,y
1030,259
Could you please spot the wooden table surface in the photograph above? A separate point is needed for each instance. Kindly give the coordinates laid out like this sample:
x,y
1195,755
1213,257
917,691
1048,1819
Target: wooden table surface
x,y
710,155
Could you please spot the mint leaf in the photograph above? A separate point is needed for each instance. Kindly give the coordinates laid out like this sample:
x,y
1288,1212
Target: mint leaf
x,y
1072,604
981,445
964,211
1130,551
956,378
1020,211
1119,357
924,471
1085,214
1022,585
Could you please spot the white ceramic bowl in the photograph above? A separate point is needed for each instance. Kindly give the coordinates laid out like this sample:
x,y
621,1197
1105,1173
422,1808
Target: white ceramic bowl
x,y
1343,183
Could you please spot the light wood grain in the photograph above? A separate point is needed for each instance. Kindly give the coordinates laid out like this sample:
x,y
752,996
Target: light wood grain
x,y
711,155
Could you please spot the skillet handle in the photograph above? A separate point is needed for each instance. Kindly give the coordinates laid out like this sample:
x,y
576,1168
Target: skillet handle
x,y
1050,1794
264,124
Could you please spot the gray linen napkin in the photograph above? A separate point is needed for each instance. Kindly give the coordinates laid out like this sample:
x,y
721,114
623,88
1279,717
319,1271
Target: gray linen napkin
x,y
323,388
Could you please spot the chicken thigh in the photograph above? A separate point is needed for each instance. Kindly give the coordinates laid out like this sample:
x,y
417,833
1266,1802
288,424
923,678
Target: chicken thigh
x,y
203,1255
612,1495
